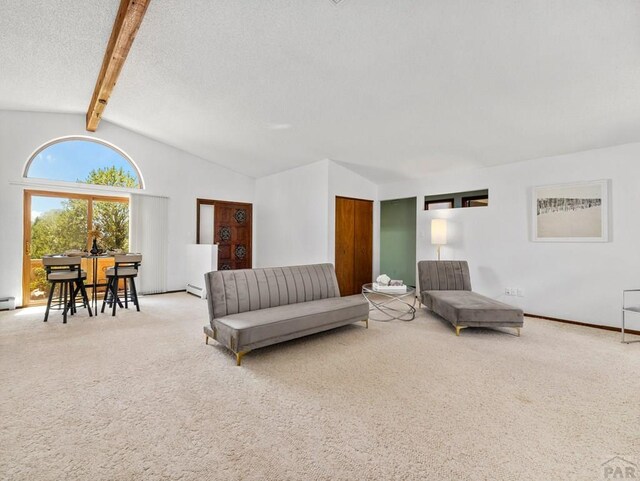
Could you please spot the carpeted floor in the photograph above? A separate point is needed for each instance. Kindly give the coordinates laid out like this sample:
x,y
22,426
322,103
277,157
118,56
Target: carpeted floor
x,y
141,397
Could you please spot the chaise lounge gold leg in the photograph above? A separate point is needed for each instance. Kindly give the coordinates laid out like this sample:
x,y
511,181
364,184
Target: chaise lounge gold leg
x,y
458,329
366,323
518,331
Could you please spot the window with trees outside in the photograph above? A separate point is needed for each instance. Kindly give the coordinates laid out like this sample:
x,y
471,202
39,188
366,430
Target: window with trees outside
x,y
56,223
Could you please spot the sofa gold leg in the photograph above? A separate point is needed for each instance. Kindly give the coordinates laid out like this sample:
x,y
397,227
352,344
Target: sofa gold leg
x,y
366,323
239,356
518,331
458,329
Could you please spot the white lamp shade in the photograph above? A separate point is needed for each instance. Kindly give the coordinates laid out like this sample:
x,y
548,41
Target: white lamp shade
x,y
439,232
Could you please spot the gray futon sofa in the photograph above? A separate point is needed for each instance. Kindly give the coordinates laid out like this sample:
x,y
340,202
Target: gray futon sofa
x,y
445,288
252,308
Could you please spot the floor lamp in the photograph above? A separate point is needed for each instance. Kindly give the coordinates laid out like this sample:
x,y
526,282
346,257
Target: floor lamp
x,y
439,233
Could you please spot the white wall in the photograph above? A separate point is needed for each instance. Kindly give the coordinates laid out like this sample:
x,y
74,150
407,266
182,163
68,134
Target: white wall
x,y
294,216
291,216
576,281
296,213
167,172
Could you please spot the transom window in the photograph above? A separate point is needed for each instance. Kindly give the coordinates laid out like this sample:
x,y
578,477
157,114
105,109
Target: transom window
x,y
457,200
84,160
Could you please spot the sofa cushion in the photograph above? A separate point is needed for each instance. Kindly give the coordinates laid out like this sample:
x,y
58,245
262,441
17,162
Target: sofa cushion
x,y
236,291
466,308
252,328
444,276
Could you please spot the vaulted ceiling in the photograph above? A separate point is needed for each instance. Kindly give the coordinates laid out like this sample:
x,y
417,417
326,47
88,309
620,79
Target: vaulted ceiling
x,y
393,88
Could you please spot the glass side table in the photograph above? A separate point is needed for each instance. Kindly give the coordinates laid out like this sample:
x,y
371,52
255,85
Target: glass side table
x,y
626,309
402,309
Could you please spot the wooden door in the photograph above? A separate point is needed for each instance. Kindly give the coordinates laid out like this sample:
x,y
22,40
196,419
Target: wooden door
x,y
232,233
363,251
354,244
345,245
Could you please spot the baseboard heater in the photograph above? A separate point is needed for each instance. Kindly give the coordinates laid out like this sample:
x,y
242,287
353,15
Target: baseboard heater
x,y
196,291
7,303
201,258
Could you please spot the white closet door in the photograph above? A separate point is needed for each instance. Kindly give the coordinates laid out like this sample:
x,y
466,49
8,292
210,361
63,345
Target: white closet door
x,y
149,235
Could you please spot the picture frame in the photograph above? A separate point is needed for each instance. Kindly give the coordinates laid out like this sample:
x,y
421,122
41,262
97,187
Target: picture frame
x,y
573,212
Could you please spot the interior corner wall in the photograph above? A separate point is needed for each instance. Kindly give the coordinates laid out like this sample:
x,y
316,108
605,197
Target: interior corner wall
x,y
295,213
346,183
291,216
167,172
574,281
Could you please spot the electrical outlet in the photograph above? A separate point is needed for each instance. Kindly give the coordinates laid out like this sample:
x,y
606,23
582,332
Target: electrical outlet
x,y
507,291
520,292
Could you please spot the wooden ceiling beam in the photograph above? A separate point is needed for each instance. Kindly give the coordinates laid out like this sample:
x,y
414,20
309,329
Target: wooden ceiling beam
x,y
125,27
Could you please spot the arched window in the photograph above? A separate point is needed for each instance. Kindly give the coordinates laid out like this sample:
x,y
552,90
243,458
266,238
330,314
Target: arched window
x,y
85,160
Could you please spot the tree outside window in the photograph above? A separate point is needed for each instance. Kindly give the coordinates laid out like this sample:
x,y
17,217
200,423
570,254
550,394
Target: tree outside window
x,y
60,230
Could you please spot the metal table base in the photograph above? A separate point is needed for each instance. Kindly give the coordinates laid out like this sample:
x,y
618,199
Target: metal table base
x,y
382,302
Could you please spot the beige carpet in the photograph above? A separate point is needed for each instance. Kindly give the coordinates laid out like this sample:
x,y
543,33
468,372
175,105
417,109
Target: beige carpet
x,y
141,397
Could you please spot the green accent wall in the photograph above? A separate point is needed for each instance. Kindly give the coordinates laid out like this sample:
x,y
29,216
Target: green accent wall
x,y
398,239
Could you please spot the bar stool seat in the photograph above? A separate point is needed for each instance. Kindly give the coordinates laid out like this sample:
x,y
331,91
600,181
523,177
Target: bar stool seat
x,y
66,275
122,271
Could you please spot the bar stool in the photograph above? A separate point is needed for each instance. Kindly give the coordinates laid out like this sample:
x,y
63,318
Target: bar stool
x,y
125,268
66,274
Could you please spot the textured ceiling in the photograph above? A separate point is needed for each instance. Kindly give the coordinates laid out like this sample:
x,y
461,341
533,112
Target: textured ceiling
x,y
393,88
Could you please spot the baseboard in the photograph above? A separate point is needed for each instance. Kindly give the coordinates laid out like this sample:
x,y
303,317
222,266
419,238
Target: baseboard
x,y
583,324
165,292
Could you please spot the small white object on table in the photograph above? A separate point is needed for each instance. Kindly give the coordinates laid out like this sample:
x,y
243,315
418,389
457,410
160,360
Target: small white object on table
x,y
389,289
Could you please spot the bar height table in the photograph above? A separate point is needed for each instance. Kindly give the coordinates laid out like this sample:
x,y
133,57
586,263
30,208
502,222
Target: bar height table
x,y
94,273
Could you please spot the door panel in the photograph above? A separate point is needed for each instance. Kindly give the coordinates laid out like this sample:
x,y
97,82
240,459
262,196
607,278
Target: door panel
x,y
345,245
232,233
55,223
52,225
363,251
354,244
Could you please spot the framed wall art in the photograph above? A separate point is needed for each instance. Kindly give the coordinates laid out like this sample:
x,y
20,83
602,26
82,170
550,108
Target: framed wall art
x,y
571,212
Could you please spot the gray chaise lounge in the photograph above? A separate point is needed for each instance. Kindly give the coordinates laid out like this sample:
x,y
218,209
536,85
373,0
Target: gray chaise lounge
x,y
253,308
445,288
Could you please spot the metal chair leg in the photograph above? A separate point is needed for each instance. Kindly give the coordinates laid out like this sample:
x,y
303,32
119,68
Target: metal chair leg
x,y
134,294
106,295
114,293
52,287
85,297
65,288
73,292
